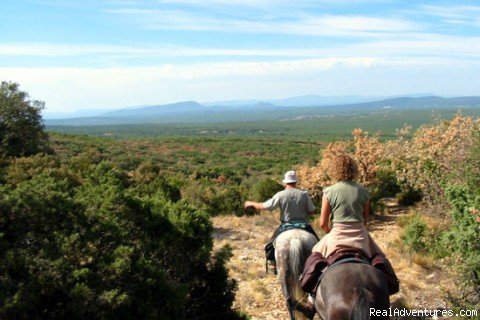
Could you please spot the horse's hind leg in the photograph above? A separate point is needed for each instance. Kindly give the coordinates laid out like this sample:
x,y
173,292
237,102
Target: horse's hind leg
x,y
291,307
283,275
287,290
296,309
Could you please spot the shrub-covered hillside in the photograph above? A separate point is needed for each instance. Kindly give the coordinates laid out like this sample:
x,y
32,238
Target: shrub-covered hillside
x,y
83,238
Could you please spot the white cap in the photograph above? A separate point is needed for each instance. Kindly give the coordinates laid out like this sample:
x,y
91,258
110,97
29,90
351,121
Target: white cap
x,y
290,177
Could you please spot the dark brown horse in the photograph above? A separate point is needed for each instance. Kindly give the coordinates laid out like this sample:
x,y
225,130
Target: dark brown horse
x,y
352,291
292,248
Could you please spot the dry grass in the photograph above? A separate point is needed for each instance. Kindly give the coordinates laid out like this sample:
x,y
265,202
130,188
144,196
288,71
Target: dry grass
x,y
425,282
424,261
258,293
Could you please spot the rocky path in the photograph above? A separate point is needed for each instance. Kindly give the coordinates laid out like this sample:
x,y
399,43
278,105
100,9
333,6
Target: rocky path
x,y
424,284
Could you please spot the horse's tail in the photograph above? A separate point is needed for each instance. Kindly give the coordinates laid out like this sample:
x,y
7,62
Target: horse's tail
x,y
297,258
361,306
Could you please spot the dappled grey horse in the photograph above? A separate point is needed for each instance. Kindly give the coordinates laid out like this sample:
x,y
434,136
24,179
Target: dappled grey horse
x,y
292,248
350,290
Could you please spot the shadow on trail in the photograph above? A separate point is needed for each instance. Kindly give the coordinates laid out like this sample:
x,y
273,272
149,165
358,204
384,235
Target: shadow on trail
x,y
224,233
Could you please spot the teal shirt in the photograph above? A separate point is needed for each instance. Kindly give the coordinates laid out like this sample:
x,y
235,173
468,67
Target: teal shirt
x,y
346,199
294,204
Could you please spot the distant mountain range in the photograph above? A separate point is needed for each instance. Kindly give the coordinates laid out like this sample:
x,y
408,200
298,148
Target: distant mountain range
x,y
312,100
252,110
299,101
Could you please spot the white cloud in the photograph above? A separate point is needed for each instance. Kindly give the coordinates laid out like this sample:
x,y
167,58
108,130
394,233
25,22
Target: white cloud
x,y
267,4
316,25
452,48
51,49
188,71
451,11
406,45
66,89
457,14
364,23
71,50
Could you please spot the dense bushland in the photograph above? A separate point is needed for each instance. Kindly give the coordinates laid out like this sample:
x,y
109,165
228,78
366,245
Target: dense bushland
x,y
83,238
327,125
215,174
98,244
442,161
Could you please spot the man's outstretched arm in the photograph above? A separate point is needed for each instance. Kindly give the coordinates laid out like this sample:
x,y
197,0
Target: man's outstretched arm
x,y
256,205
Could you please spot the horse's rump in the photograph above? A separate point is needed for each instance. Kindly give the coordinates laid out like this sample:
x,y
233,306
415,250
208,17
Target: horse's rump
x,y
292,247
348,291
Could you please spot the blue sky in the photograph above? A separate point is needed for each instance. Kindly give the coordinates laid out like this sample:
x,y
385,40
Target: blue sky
x,y
116,53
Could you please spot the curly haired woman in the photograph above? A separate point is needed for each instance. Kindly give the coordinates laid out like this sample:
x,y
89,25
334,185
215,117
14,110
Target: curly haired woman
x,y
346,206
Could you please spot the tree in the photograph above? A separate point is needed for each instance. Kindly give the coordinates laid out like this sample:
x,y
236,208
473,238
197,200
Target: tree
x,y
21,126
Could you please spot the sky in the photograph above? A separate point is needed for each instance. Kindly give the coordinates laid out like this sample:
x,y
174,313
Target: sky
x,y
109,54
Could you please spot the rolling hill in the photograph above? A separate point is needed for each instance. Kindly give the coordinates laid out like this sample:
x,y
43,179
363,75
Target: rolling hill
x,y
194,112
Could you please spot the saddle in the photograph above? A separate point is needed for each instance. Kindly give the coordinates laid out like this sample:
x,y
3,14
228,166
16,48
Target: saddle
x,y
316,265
269,248
296,225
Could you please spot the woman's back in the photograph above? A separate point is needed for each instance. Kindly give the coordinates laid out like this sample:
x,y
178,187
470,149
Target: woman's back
x,y
347,200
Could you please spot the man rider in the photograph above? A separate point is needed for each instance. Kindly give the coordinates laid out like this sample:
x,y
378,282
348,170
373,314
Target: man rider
x,y
295,207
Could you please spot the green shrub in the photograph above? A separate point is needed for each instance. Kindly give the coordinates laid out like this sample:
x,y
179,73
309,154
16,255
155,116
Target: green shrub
x,y
149,181
228,200
463,238
213,197
97,244
464,235
415,232
386,185
264,189
408,196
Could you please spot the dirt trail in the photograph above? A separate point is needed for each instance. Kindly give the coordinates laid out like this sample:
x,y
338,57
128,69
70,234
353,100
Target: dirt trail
x,y
423,283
